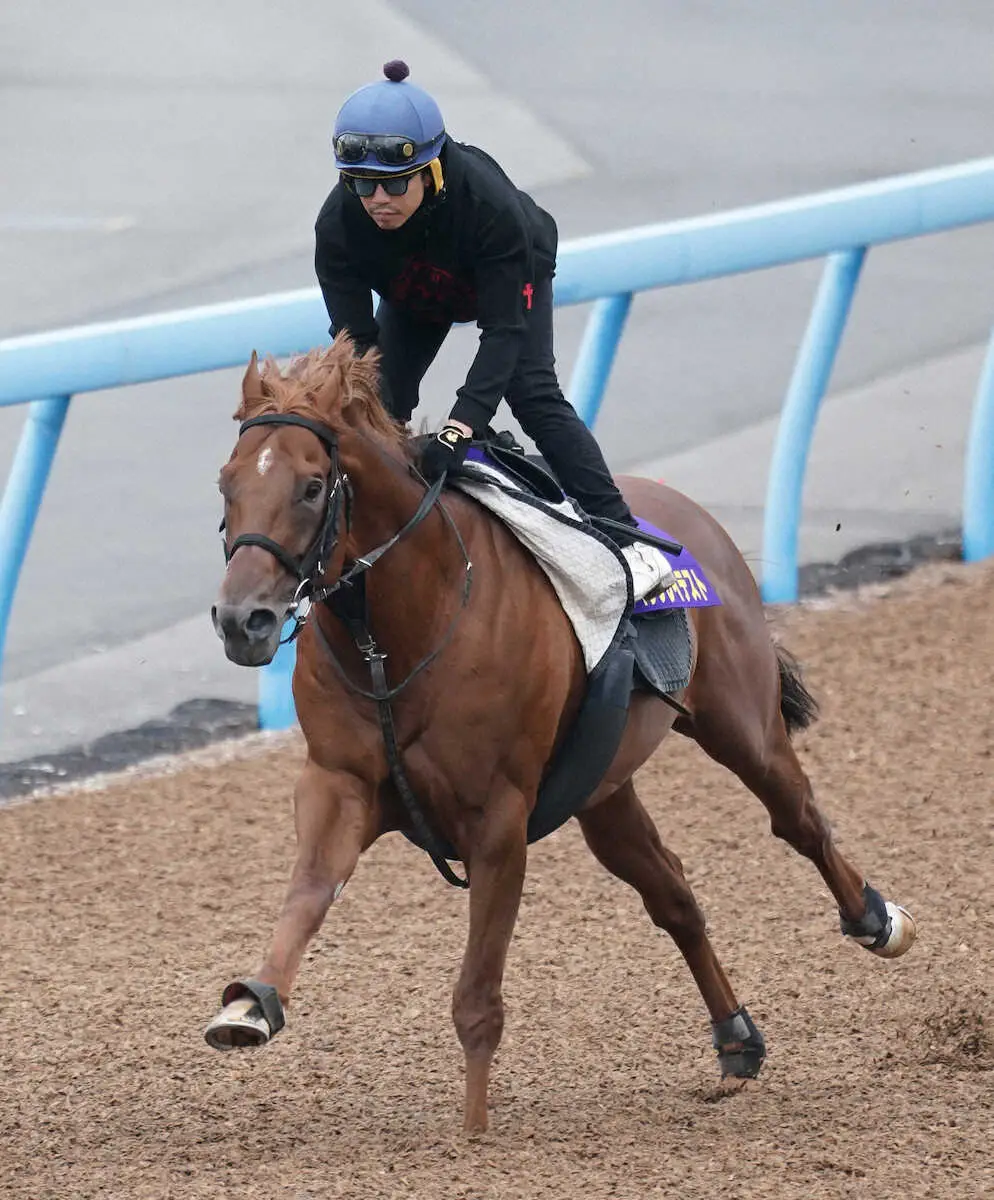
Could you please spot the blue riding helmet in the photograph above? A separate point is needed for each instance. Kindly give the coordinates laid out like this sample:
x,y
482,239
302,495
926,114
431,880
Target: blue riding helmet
x,y
388,127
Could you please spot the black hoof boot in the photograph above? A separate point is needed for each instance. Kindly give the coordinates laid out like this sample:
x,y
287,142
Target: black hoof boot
x,y
885,929
740,1045
873,928
252,1015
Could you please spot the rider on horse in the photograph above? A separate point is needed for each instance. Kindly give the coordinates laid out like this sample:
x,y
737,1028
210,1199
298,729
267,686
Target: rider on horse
x,y
440,233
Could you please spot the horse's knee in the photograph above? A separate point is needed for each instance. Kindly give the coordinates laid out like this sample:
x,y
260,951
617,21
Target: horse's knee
x,y
478,1015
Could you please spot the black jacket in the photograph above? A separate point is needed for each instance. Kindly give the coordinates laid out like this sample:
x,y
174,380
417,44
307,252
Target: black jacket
x,y
469,254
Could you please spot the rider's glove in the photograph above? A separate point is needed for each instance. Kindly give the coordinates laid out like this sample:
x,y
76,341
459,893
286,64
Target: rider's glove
x,y
445,452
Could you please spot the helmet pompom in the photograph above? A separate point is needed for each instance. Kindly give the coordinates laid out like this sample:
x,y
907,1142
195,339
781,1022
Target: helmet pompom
x,y
396,70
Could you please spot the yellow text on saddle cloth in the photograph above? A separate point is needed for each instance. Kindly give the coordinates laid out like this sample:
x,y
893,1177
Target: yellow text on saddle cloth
x,y
688,589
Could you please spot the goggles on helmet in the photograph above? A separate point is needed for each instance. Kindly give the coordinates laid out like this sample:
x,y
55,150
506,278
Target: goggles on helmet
x,y
390,149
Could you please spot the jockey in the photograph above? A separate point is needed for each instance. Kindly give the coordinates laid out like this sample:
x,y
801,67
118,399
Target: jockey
x,y
441,234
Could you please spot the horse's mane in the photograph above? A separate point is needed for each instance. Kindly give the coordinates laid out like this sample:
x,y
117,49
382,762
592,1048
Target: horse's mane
x,y
293,390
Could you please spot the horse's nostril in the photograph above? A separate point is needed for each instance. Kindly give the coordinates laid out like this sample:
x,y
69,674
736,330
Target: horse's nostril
x,y
261,622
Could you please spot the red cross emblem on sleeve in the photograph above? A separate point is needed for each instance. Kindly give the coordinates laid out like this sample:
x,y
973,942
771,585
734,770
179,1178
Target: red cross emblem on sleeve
x,y
528,291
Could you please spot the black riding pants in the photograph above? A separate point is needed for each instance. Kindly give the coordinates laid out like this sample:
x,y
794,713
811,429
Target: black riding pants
x,y
409,347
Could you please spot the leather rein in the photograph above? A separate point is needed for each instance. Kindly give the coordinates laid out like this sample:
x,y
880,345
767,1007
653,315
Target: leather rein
x,y
346,600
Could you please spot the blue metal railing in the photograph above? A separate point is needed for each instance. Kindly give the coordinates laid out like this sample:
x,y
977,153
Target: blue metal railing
x,y
23,495
46,369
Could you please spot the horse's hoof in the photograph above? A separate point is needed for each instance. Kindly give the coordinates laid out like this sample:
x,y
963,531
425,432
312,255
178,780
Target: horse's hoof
x,y
903,932
252,1015
885,929
237,1025
740,1046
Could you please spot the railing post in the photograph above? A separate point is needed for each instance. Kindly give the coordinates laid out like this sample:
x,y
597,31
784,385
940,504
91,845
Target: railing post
x,y
812,370
276,708
978,482
23,495
596,355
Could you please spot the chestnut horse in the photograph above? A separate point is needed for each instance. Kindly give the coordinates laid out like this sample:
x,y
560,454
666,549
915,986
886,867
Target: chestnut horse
x,y
485,678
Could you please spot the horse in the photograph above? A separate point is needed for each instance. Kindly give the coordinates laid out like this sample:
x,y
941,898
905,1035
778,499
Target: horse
x,y
486,678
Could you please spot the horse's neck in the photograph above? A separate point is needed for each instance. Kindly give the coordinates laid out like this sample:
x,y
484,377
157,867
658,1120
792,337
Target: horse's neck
x,y
413,581
385,495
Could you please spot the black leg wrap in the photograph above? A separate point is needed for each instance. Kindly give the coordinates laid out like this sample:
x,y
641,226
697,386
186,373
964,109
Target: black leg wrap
x,y
740,1045
267,997
872,930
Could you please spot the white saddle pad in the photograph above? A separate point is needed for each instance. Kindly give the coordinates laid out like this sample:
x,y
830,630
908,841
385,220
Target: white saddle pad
x,y
590,578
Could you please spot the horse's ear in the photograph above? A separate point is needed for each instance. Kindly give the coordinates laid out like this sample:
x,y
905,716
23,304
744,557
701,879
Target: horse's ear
x,y
252,394
253,390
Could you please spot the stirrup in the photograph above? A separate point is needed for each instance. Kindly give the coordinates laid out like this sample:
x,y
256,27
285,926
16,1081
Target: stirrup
x,y
643,561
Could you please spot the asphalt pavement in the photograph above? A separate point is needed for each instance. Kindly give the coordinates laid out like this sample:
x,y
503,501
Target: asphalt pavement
x,y
160,157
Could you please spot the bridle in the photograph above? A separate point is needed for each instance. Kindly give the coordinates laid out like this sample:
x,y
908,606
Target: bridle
x,y
310,566
346,599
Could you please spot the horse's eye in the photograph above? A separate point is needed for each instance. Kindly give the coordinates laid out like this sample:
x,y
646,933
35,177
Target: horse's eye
x,y
313,489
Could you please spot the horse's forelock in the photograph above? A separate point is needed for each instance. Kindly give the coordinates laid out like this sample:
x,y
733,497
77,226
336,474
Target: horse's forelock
x,y
307,375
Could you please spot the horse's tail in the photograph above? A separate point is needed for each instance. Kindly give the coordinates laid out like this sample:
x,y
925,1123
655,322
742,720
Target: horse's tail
x,y
798,707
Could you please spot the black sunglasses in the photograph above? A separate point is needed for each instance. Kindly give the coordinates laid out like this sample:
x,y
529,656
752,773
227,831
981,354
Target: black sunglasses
x,y
391,149
366,185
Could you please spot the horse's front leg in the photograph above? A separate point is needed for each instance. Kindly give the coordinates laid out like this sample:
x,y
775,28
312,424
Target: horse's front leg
x,y
497,871
335,821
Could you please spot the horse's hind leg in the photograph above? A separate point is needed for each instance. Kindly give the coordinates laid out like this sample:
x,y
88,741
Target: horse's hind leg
x,y
746,732
624,839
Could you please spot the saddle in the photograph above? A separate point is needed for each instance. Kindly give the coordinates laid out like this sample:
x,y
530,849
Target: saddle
x,y
531,472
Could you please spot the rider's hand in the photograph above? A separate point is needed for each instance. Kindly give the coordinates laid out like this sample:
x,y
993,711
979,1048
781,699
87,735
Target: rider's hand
x,y
446,451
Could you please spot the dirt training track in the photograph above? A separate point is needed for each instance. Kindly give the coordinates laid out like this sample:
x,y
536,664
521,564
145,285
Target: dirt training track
x,y
124,910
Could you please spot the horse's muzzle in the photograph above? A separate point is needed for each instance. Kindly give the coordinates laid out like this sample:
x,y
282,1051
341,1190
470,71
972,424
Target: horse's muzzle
x,y
251,633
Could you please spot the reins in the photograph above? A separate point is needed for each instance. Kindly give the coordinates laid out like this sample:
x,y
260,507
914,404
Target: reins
x,y
338,592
